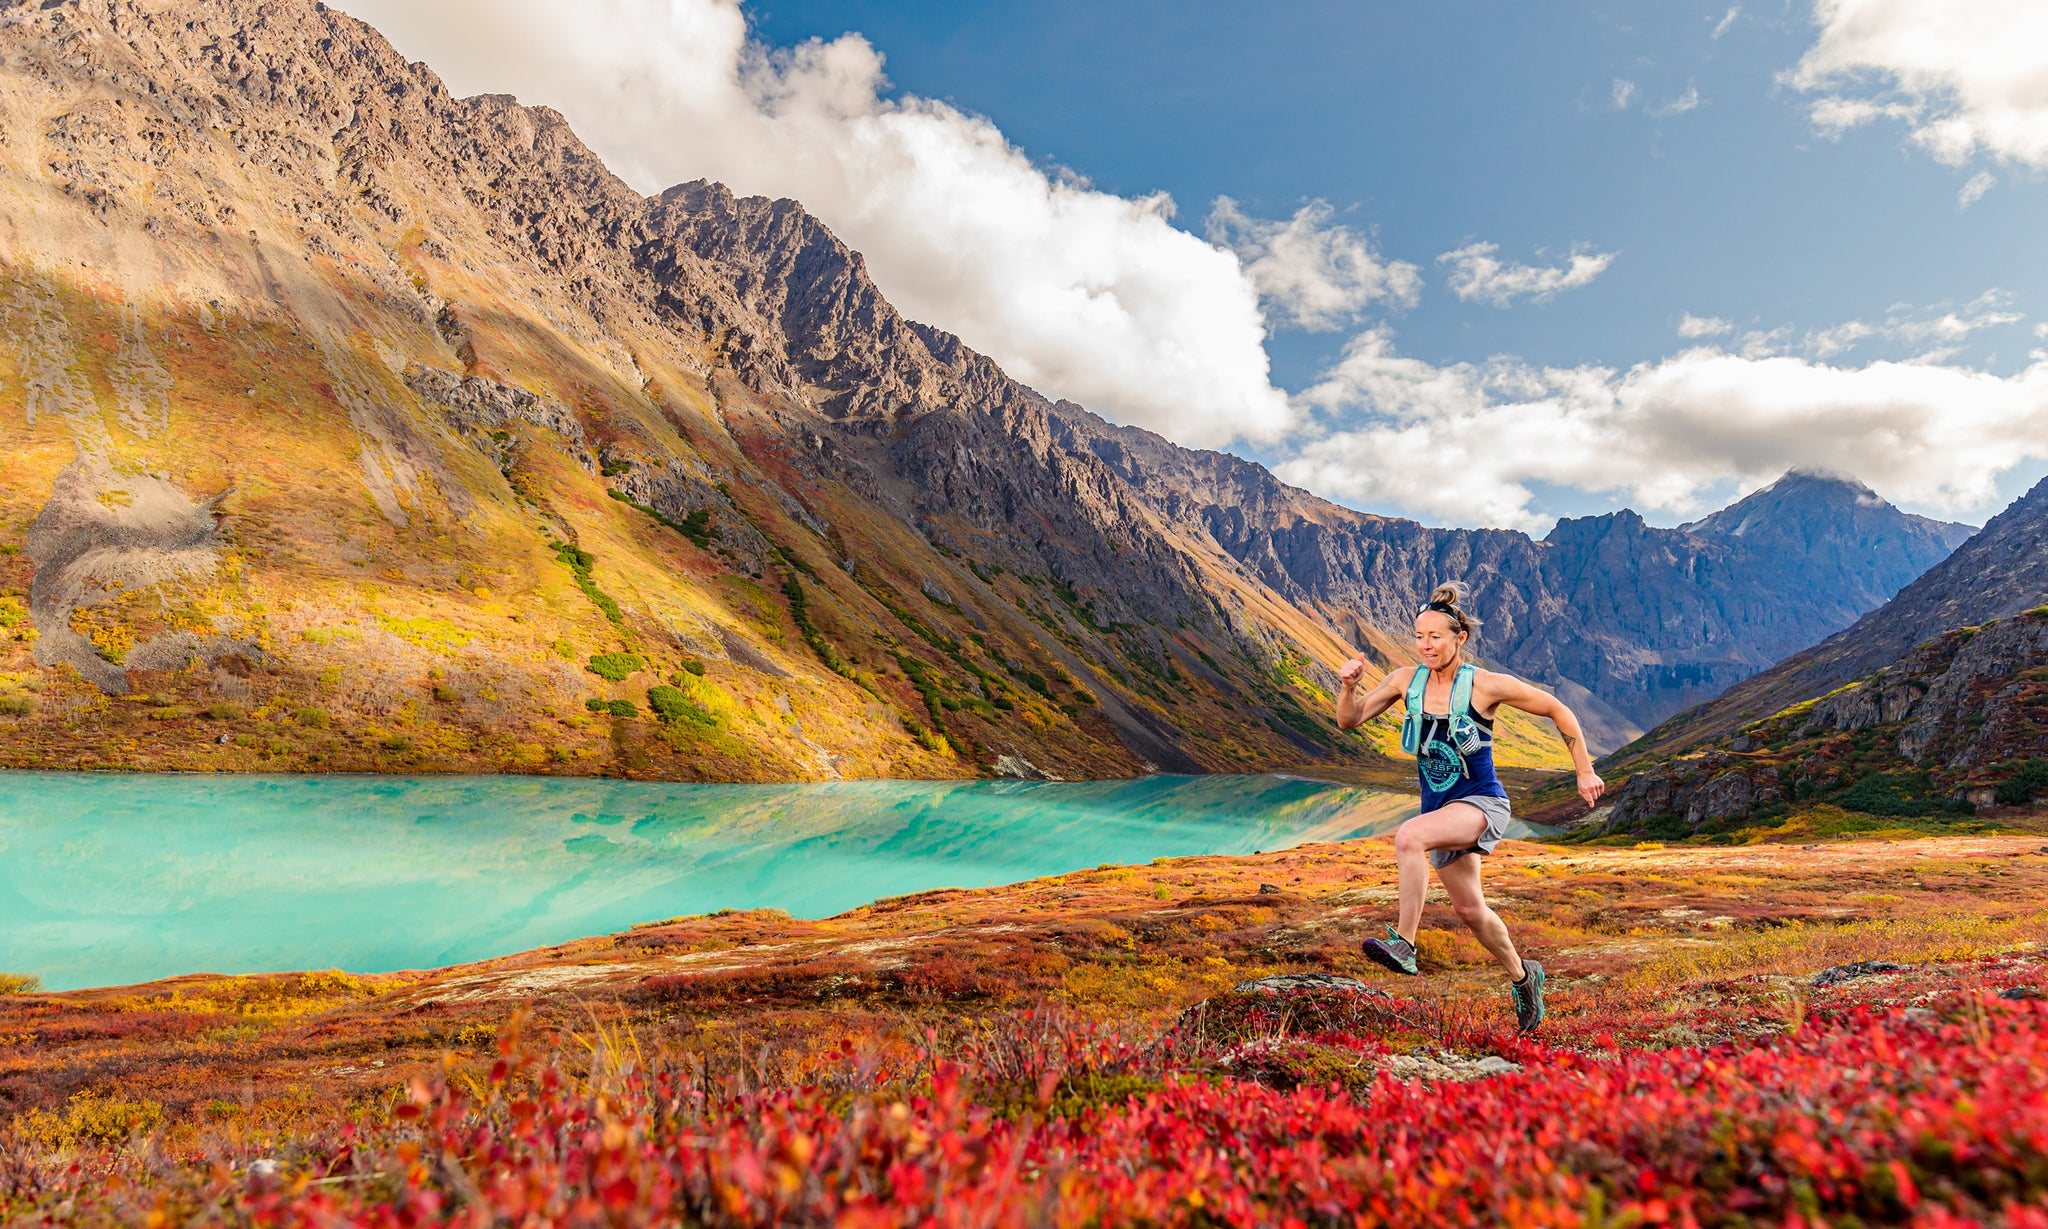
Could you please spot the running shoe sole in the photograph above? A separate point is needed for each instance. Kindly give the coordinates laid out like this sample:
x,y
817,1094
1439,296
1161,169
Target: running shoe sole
x,y
1382,954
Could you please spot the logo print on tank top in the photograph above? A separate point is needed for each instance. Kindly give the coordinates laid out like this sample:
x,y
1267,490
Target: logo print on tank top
x,y
1441,765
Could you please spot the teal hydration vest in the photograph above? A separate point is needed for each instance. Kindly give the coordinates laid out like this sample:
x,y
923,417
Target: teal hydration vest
x,y
1443,763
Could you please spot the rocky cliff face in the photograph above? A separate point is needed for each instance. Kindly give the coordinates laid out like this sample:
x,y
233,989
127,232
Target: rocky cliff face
x,y
1937,702
361,426
1998,572
1958,725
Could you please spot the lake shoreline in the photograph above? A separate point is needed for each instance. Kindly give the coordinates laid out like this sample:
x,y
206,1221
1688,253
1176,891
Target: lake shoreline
x,y
112,877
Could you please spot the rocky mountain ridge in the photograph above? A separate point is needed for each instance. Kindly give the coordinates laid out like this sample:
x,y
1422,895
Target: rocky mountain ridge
x,y
1934,704
2000,571
1958,726
508,467
1628,621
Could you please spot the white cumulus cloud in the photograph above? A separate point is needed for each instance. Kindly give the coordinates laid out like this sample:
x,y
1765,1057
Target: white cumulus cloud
x,y
1974,190
1624,93
1727,21
1966,76
1464,443
1079,292
1310,273
1477,273
1691,326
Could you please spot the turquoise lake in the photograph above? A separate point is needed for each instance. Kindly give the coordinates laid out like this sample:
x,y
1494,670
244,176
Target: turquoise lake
x,y
107,879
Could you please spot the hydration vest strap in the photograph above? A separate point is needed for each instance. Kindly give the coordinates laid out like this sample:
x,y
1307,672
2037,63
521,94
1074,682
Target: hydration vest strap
x,y
1461,693
1411,725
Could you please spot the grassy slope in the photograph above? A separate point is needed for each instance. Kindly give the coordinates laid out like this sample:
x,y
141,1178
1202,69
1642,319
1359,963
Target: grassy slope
x,y
400,610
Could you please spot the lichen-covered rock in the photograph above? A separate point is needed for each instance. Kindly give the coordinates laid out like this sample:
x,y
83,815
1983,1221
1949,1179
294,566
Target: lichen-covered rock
x,y
480,409
1713,787
1731,793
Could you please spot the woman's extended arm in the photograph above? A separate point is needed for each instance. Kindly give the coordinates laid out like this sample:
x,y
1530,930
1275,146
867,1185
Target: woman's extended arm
x,y
1513,692
1355,709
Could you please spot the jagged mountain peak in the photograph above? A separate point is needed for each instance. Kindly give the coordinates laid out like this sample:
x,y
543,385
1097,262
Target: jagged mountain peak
x,y
1826,500
1843,544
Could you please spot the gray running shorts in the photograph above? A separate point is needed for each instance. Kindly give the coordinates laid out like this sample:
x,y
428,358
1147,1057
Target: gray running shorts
x,y
1497,817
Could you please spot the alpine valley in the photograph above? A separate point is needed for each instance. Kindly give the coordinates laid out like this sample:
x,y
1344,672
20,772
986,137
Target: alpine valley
x,y
347,425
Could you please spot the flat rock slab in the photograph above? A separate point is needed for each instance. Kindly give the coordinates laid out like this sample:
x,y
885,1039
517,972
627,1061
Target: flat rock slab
x,y
1292,983
1453,1068
1837,974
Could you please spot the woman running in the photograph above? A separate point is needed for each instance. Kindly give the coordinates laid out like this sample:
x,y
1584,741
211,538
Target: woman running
x,y
1449,729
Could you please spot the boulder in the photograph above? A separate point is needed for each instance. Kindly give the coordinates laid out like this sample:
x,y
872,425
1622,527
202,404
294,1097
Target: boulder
x,y
1730,794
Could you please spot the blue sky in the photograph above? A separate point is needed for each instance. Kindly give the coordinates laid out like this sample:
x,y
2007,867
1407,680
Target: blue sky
x,y
1670,141
1438,124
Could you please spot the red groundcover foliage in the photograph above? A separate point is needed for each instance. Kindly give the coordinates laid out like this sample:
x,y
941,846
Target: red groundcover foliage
x,y
1933,1115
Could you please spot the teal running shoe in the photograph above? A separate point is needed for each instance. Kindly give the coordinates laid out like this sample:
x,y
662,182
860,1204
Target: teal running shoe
x,y
1394,952
1528,996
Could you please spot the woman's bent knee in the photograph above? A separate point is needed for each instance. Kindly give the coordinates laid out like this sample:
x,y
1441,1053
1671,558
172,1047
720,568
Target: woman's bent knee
x,y
1408,839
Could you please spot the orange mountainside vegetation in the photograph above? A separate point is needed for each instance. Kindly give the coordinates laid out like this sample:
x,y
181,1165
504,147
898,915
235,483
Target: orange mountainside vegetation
x,y
1073,1051
350,426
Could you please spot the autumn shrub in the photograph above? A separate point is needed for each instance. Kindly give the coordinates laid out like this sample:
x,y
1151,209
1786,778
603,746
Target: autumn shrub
x,y
673,704
997,973
224,712
313,718
91,1118
125,1025
17,704
2028,781
1248,1015
616,667
435,635
1049,1062
715,703
20,983
1868,1113
1445,949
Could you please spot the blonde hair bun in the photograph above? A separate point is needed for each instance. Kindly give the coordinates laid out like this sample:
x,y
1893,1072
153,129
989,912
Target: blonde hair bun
x,y
1446,598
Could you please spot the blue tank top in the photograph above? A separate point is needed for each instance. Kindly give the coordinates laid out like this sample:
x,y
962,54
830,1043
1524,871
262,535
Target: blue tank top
x,y
1438,764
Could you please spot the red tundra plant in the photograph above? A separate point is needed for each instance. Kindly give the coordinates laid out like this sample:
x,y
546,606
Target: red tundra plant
x,y
1933,1115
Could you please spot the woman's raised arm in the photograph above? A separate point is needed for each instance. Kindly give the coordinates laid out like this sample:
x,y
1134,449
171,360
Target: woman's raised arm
x,y
1355,709
1513,692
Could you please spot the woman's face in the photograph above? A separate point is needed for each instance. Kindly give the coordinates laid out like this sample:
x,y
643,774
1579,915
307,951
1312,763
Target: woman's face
x,y
1437,639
